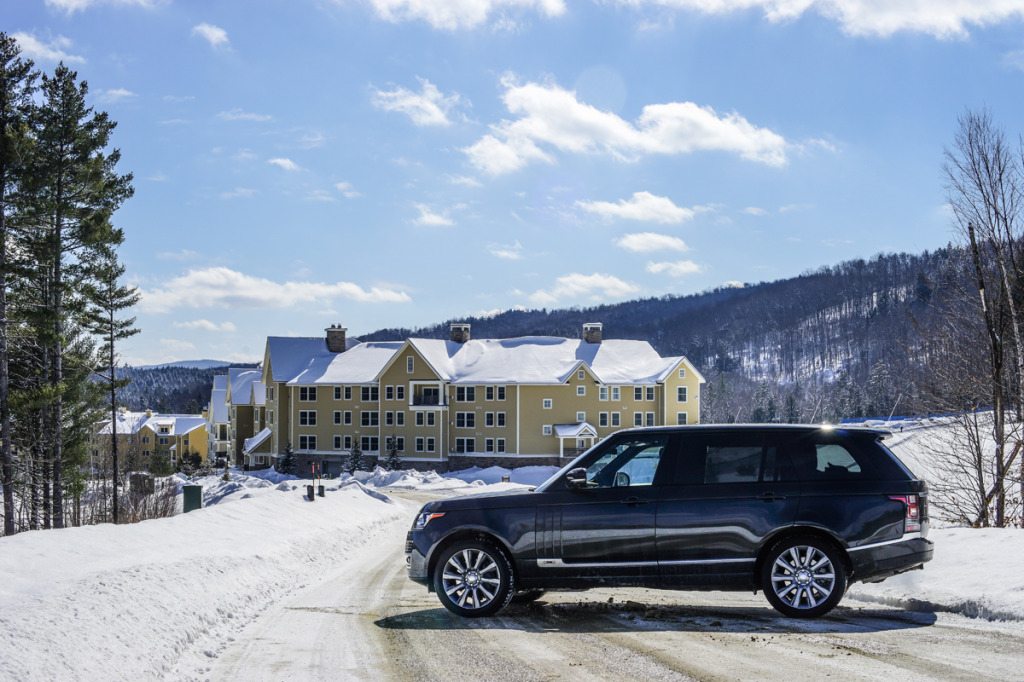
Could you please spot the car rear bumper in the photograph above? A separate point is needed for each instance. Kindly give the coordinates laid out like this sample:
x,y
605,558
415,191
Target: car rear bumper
x,y
872,563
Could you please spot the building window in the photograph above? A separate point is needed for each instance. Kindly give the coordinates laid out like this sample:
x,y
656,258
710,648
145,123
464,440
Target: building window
x,y
398,443
428,395
615,419
501,392
348,442
430,444
337,416
682,372
348,417
547,404
145,439
489,393
681,418
602,393
602,419
489,419
419,445
270,392
307,442
650,419
464,445
389,393
501,419
681,394
337,392
167,429
307,417
348,393
430,418
465,420
581,390
489,445
163,440
581,375
370,444
399,418
501,445
581,416
650,392
410,365
337,442
465,394
638,393
307,394
419,419
616,393
546,430
399,392
371,394
638,419
389,419
369,418
270,417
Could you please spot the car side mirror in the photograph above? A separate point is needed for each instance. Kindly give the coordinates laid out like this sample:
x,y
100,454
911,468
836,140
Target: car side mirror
x,y
576,478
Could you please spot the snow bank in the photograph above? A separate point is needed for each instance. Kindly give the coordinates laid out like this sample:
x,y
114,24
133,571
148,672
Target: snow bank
x,y
534,475
133,601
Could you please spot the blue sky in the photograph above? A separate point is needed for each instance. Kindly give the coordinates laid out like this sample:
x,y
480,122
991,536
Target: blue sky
x,y
399,162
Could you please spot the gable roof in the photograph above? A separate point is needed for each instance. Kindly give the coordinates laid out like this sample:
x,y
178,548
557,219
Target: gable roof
x,y
259,394
359,364
219,405
133,422
240,384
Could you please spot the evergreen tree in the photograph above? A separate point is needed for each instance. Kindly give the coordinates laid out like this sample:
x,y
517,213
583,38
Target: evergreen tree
x,y
160,464
17,81
286,462
765,410
355,459
392,462
881,391
791,411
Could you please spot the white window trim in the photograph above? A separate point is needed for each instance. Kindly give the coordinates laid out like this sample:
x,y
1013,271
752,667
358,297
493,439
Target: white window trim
x,y
581,391
546,430
547,403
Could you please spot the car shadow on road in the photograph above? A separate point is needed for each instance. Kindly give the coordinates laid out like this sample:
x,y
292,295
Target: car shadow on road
x,y
597,616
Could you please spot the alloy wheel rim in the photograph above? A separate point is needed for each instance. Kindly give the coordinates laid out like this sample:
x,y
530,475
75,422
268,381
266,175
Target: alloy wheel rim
x,y
803,577
471,578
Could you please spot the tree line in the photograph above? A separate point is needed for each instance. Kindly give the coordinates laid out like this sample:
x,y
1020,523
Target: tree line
x,y
61,300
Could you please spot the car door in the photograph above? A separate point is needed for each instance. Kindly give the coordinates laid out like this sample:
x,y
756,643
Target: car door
x,y
730,490
604,531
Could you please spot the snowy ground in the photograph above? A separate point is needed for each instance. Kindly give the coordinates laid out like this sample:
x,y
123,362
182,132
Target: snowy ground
x,y
149,599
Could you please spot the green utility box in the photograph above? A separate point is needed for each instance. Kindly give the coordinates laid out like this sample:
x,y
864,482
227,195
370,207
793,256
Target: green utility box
x,y
193,497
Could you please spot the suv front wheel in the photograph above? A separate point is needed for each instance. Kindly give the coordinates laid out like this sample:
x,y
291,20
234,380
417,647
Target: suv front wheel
x,y
473,579
803,577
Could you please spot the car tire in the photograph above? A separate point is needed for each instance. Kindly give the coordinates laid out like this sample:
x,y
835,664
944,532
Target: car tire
x,y
473,579
526,596
803,577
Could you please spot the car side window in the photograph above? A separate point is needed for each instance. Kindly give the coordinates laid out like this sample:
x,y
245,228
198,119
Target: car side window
x,y
627,463
733,464
835,461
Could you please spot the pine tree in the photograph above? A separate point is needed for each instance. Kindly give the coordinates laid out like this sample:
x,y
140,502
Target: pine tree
x,y
17,82
286,462
791,411
355,459
392,462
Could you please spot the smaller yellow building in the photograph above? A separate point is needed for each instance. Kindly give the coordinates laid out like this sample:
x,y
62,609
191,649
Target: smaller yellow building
x,y
143,435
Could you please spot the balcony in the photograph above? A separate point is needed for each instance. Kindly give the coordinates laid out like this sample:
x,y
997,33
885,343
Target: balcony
x,y
427,399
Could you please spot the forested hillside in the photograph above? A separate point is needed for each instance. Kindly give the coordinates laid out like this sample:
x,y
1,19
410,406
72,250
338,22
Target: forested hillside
x,y
169,389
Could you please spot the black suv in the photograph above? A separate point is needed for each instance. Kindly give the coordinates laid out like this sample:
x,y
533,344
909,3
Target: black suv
x,y
797,511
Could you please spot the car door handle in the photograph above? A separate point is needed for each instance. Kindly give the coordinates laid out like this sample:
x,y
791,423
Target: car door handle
x,y
770,497
634,500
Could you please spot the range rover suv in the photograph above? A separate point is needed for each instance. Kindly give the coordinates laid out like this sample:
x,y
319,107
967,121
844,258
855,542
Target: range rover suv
x,y
798,512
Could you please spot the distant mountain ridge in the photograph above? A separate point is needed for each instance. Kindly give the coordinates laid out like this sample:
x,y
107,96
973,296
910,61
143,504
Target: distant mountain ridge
x,y
192,364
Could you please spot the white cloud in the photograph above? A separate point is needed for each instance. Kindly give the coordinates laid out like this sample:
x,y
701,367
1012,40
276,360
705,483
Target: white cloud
x,y
642,206
239,115
221,287
677,269
116,94
596,287
552,116
214,35
754,210
644,242
455,14
72,6
207,326
177,346
507,251
320,195
184,254
427,108
239,193
732,284
53,51
347,190
464,180
430,219
938,18
286,164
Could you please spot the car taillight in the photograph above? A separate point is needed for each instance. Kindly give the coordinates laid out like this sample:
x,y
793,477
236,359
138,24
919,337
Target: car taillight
x,y
913,517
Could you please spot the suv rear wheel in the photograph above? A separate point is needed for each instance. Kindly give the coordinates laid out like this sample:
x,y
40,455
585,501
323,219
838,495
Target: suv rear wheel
x,y
803,577
473,579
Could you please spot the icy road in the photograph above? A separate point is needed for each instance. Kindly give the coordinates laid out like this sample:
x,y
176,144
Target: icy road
x,y
369,622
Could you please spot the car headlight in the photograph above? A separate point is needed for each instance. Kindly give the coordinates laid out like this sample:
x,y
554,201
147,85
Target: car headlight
x,y
426,517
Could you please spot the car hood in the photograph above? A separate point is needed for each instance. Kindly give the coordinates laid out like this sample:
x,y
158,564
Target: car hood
x,y
513,498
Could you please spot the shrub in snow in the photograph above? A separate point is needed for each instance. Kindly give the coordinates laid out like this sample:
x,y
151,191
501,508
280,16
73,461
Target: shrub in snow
x,y
286,463
355,460
392,462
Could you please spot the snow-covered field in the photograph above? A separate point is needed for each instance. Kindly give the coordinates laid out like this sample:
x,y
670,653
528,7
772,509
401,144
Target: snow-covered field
x,y
143,600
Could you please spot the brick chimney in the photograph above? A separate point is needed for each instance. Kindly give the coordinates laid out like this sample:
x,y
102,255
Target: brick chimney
x,y
592,332
460,332
336,338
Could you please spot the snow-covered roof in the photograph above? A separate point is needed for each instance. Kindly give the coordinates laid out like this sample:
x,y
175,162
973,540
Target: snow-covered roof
x,y
219,405
254,442
220,381
575,430
240,381
358,365
543,360
127,423
259,394
133,422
